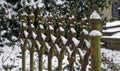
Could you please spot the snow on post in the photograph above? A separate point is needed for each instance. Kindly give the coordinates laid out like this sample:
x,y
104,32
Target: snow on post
x,y
64,40
53,38
58,48
75,41
34,35
72,30
61,29
51,27
24,25
41,26
87,43
95,33
26,34
43,36
38,44
47,46
85,31
95,15
69,51
81,53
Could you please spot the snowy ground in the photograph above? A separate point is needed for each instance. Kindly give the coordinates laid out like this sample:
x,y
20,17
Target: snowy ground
x,y
11,57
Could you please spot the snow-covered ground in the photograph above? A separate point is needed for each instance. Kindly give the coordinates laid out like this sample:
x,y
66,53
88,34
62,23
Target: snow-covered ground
x,y
11,57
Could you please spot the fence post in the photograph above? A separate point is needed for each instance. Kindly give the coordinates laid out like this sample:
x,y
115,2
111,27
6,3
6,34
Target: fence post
x,y
32,39
24,56
95,36
23,18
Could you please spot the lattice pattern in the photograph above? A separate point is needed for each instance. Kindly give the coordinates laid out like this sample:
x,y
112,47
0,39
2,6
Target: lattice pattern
x,y
50,40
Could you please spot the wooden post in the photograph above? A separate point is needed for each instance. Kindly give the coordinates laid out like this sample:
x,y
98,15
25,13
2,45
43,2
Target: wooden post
x,y
23,18
71,63
95,35
60,57
59,64
40,53
32,39
40,62
31,61
49,63
24,56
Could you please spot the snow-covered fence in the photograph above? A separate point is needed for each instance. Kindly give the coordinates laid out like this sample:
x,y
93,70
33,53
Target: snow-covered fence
x,y
46,39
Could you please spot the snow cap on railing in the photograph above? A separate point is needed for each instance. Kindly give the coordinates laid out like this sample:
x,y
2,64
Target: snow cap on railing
x,y
72,30
38,44
34,35
75,41
43,36
58,48
61,29
85,31
53,38
41,26
64,40
26,33
95,33
95,15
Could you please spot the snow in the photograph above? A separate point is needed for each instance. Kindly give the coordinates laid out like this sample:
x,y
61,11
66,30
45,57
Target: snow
x,y
15,58
43,36
72,17
85,18
111,37
95,33
14,38
51,27
60,2
47,46
26,33
61,29
85,31
64,40
114,23
24,14
24,25
40,5
81,53
95,15
53,38
112,56
38,44
3,32
32,26
58,48
41,26
75,41
72,30
34,35
29,42
87,43
69,51
116,35
22,42
112,29
32,14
